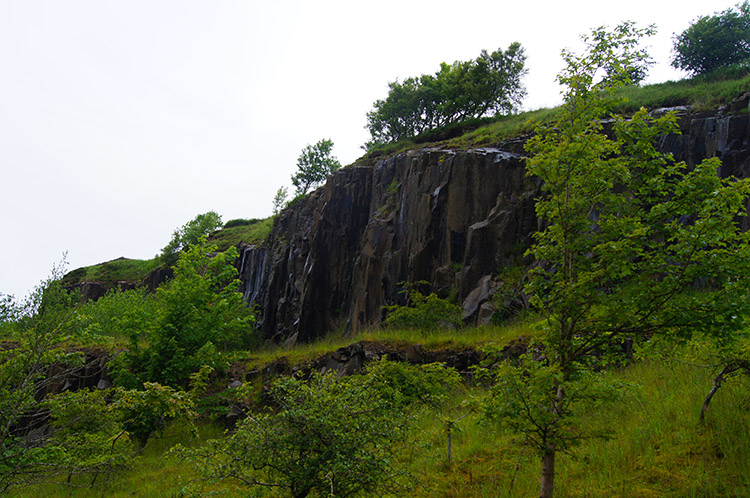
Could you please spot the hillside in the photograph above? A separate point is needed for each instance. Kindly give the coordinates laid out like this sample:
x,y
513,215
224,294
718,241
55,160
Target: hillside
x,y
315,389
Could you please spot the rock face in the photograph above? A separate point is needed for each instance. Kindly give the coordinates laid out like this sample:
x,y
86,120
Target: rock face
x,y
337,257
452,218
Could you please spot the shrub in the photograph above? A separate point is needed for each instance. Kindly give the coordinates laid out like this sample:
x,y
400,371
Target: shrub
x,y
199,313
335,436
423,312
189,234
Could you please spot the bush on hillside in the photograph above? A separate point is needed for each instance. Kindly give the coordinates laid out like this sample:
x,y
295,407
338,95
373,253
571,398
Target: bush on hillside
x,y
423,312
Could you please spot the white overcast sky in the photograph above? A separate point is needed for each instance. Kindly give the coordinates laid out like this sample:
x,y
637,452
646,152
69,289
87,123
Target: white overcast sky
x,y
122,120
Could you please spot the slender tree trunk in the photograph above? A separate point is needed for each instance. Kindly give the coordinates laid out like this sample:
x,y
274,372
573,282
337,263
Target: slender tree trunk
x,y
727,370
548,472
548,457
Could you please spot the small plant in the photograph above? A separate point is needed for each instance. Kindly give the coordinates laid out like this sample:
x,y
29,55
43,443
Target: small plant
x,y
239,222
279,200
328,435
423,312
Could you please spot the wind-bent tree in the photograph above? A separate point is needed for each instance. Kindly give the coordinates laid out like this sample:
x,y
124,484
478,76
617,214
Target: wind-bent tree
x,y
485,86
634,245
314,165
713,42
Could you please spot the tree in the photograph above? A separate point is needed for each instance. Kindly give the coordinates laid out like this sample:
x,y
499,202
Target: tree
x,y
635,245
328,434
189,234
37,327
199,312
713,42
279,199
314,165
486,86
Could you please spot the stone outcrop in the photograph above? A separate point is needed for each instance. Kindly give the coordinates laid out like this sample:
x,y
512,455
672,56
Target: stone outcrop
x,y
452,218
336,257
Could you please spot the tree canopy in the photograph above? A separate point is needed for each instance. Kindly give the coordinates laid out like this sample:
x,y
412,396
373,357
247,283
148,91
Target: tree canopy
x,y
634,245
713,42
485,86
314,165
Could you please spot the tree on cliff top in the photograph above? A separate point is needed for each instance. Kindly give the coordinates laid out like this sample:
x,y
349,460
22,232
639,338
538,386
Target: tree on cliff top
x,y
713,42
630,237
314,165
485,86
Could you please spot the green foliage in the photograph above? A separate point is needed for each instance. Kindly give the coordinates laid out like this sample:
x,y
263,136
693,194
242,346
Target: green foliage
x,y
332,435
37,327
199,313
488,85
279,200
714,42
406,385
423,312
189,234
628,232
115,316
85,434
142,412
526,389
239,222
314,165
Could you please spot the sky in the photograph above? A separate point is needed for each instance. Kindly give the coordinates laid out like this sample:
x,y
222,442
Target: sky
x,y
123,120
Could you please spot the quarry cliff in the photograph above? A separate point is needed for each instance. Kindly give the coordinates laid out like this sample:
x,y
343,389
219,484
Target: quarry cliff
x,y
457,219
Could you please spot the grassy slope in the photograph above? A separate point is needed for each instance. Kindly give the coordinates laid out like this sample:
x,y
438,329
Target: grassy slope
x,y
121,269
656,448
254,232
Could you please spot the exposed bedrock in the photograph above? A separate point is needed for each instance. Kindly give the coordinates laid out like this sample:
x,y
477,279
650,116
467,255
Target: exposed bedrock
x,y
452,218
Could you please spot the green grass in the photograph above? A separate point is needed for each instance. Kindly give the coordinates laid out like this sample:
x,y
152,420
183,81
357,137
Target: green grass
x,y
701,93
428,339
152,473
254,232
118,270
655,447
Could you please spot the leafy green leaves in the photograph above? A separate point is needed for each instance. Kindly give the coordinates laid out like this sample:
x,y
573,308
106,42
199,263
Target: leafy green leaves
x,y
314,165
329,434
713,42
189,234
423,312
488,85
198,313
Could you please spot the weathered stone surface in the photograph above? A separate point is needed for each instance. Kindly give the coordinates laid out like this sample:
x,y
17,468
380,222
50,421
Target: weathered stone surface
x,y
477,296
335,258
